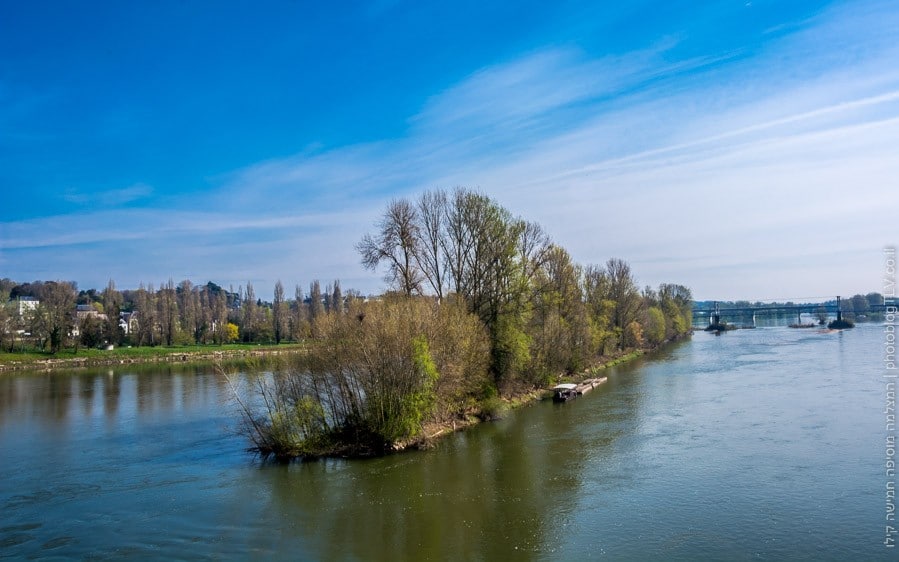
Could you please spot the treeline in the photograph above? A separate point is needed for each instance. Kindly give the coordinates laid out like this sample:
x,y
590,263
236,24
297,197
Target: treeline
x,y
52,315
482,304
860,307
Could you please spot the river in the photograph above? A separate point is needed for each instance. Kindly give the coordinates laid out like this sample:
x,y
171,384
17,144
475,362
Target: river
x,y
764,444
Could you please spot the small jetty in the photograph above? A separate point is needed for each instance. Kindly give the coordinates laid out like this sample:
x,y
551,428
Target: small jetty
x,y
566,391
589,385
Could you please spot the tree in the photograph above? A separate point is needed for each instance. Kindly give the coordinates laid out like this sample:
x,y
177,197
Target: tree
x,y
112,305
298,324
168,313
194,315
380,374
220,317
633,335
7,318
279,313
600,308
874,299
858,304
337,306
91,331
559,324
248,314
231,332
676,302
55,314
623,291
655,325
316,304
145,305
395,243
490,274
429,255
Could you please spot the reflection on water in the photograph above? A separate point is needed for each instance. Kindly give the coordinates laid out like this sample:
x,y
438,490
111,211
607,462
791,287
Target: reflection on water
x,y
67,399
757,444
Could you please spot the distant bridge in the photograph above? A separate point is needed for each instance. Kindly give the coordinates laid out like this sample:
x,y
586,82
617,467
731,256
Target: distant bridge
x,y
715,313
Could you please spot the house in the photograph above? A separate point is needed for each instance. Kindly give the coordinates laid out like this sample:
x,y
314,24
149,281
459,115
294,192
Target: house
x,y
25,306
82,312
128,322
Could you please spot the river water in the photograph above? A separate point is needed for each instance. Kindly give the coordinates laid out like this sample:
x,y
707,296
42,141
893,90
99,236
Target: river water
x,y
765,444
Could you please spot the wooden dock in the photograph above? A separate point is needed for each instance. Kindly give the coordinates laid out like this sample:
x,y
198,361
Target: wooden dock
x,y
589,384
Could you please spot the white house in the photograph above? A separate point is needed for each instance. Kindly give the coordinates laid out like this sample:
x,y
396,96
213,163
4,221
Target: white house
x,y
26,305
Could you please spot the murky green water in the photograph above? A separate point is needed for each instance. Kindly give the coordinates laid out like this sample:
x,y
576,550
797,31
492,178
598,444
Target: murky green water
x,y
763,444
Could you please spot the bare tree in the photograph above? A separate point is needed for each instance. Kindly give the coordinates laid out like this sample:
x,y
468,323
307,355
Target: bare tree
x,y
56,312
316,305
220,317
298,315
7,317
623,291
145,303
248,314
458,241
395,243
167,305
429,255
534,245
112,306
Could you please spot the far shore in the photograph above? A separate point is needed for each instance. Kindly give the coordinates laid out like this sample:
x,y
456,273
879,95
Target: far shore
x,y
34,361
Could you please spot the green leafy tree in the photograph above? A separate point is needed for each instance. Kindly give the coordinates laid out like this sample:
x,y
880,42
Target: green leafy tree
x,y
655,325
248,315
279,313
91,331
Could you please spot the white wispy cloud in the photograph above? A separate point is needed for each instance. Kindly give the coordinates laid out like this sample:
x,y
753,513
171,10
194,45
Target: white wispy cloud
x,y
108,198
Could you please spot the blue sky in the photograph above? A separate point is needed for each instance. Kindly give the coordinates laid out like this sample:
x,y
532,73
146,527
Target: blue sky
x,y
747,149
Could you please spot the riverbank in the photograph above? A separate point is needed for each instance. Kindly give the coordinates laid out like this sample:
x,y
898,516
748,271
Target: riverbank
x,y
68,359
436,430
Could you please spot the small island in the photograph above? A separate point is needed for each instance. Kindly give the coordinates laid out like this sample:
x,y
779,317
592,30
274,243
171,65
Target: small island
x,y
840,324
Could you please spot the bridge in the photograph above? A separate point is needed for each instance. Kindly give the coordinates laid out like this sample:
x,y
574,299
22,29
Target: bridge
x,y
715,313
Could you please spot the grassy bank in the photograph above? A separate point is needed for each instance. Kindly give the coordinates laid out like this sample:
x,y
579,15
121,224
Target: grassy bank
x,y
66,359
